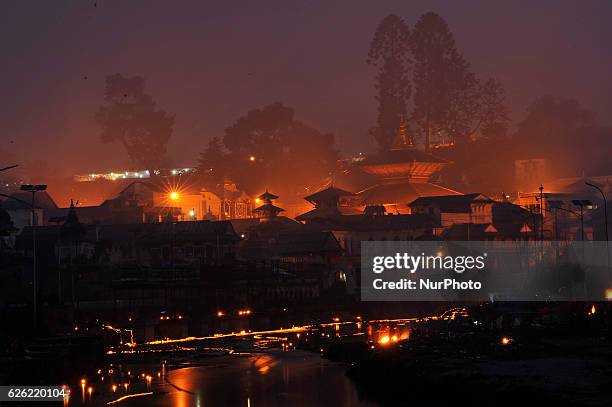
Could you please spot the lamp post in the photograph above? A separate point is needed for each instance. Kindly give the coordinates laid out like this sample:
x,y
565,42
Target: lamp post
x,y
33,189
606,228
541,212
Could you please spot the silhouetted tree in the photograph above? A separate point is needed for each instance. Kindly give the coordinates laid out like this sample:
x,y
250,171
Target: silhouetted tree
x,y
270,148
449,100
564,132
212,164
130,116
390,53
552,121
441,79
494,114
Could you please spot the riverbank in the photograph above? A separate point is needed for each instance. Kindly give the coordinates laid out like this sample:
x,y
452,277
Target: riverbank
x,y
472,369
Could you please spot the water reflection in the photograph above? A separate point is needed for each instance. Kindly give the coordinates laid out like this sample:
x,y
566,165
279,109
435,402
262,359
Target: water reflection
x,y
273,379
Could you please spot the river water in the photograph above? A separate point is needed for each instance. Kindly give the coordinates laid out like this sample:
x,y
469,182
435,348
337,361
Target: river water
x,y
276,378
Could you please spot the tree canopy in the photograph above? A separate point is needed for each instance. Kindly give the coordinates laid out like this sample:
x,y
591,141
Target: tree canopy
x,y
424,68
270,148
130,116
389,53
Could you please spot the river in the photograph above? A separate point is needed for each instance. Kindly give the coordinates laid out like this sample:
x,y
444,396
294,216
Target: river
x,y
276,378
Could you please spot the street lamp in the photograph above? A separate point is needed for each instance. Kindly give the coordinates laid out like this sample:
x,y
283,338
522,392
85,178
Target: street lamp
x,y
33,189
606,228
541,212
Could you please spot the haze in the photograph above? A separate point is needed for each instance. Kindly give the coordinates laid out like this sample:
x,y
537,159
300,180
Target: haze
x,y
209,63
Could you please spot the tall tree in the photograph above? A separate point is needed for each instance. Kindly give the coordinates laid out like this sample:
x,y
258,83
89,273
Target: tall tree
x,y
131,117
564,132
449,100
493,112
212,164
390,54
435,68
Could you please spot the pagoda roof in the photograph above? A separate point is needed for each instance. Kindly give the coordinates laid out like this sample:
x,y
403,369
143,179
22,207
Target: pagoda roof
x,y
401,193
267,196
328,194
404,162
325,213
268,208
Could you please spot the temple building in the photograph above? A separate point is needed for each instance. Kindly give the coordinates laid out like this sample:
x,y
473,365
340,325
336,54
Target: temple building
x,y
267,211
329,203
400,175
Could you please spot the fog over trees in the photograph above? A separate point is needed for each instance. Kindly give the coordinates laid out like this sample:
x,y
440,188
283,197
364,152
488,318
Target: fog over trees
x,y
130,116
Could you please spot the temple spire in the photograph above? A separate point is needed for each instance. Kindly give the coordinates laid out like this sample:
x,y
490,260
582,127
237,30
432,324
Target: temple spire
x,y
403,139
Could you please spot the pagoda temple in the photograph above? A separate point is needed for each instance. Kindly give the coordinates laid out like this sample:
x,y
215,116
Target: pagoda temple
x,y
267,210
328,203
403,173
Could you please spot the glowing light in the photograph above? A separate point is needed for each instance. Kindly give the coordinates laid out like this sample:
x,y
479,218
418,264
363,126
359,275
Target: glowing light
x,y
506,341
83,382
593,310
114,387
174,196
257,200
220,314
394,338
336,319
89,390
192,213
252,158
384,340
120,399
